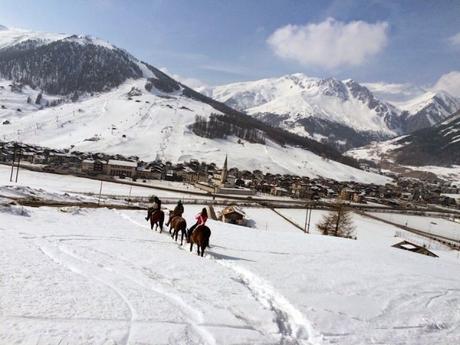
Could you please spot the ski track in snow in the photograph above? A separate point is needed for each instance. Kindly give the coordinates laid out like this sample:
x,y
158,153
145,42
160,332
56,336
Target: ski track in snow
x,y
83,267
291,323
58,256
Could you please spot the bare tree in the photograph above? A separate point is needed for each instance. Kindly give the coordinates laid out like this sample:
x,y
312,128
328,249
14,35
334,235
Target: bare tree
x,y
338,222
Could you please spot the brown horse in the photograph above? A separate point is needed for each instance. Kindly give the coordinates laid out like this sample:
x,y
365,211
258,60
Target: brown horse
x,y
200,236
177,223
157,218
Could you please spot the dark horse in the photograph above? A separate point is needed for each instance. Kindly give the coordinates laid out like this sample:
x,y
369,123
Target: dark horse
x,y
200,236
177,223
157,218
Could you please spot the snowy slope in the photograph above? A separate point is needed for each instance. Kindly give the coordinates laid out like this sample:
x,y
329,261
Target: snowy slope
x,y
428,109
435,146
345,112
12,36
298,96
137,111
121,283
155,125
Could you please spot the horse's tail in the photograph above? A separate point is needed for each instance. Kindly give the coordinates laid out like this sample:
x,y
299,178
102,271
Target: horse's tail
x,y
207,235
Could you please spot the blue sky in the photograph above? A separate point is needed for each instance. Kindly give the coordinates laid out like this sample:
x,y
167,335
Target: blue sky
x,y
225,41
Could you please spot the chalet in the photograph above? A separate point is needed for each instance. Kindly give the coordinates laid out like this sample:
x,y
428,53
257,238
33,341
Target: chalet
x,y
39,159
233,215
145,173
358,198
279,191
87,166
346,194
121,168
27,156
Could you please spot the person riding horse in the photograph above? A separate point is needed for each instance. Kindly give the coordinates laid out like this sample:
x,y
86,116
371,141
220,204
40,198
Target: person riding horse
x,y
178,211
154,207
201,219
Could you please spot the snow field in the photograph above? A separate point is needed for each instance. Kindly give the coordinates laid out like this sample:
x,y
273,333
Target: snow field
x,y
156,125
104,278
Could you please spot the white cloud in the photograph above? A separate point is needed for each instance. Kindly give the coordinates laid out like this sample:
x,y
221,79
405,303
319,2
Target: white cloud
x,y
455,40
193,83
331,43
449,82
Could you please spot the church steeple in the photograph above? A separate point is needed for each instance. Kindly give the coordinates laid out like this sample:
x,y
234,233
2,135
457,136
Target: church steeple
x,y
223,177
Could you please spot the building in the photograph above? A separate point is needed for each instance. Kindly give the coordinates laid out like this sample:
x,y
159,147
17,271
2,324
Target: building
x,y
87,166
346,194
93,167
121,168
233,215
223,183
279,191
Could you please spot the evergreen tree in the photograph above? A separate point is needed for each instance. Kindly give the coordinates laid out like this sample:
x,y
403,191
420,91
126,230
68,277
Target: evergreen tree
x,y
338,222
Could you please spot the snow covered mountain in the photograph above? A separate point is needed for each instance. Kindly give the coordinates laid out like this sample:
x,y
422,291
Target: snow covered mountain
x,y
324,109
438,145
79,92
427,110
342,112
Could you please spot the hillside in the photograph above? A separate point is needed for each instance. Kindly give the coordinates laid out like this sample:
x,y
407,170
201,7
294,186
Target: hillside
x,y
438,145
435,146
121,283
343,113
136,109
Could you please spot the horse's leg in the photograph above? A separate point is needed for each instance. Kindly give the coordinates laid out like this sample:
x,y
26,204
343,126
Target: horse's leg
x,y
202,250
191,245
182,237
198,249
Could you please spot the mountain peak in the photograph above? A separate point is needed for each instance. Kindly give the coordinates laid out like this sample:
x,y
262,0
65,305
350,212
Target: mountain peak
x,y
2,27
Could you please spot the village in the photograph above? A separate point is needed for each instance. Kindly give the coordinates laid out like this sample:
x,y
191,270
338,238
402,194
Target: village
x,y
213,179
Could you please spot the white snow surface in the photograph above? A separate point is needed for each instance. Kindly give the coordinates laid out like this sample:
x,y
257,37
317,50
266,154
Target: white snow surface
x,y
12,36
375,151
430,98
156,125
300,96
102,277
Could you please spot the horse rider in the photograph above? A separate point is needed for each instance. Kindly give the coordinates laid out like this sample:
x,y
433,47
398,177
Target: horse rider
x,y
201,219
154,207
178,211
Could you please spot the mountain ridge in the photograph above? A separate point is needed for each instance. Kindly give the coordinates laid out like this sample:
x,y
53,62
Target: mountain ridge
x,y
139,110
318,107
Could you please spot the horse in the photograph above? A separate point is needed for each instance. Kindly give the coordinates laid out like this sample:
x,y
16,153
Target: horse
x,y
200,236
157,218
177,223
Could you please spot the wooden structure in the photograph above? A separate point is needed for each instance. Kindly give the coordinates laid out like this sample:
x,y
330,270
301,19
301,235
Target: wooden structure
x,y
233,215
406,245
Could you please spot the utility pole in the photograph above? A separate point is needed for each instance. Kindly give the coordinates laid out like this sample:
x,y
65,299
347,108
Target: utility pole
x,y
307,219
12,163
19,163
100,193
